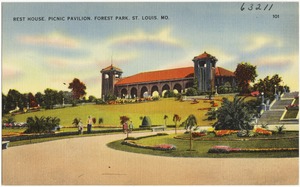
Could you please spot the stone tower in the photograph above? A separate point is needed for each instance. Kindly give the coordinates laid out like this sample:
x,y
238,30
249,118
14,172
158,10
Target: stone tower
x,y
110,75
204,72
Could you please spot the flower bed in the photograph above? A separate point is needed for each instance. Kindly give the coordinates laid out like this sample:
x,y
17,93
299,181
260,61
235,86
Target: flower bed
x,y
262,131
225,132
292,107
223,149
165,147
161,147
227,149
198,134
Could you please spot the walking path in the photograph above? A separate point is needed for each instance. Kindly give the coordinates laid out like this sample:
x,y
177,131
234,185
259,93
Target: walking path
x,y
88,161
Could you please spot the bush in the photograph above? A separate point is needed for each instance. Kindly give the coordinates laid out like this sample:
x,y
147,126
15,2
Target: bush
x,y
155,98
146,122
42,124
169,93
191,92
100,101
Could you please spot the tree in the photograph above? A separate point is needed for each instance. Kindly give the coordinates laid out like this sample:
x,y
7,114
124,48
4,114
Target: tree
x,y
76,122
13,100
245,73
165,118
234,115
32,100
50,98
146,122
40,98
77,88
269,85
4,103
176,119
190,123
100,120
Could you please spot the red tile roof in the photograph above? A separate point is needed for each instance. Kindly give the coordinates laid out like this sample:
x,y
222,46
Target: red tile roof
x,y
221,72
111,67
204,55
152,76
169,74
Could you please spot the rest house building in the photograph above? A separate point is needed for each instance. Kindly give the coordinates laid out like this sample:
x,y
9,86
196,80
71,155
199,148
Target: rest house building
x,y
204,74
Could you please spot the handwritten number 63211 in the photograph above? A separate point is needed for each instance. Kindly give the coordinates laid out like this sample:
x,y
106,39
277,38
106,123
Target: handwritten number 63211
x,y
258,7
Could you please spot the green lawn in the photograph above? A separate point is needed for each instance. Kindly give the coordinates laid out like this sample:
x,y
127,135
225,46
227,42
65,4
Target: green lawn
x,y
111,113
202,146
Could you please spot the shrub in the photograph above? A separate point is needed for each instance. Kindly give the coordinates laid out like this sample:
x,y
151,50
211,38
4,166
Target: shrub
x,y
191,92
42,124
76,122
169,93
280,129
146,122
155,98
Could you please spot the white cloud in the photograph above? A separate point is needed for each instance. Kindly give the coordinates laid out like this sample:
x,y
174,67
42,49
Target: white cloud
x,y
256,42
278,61
163,36
53,39
285,65
224,59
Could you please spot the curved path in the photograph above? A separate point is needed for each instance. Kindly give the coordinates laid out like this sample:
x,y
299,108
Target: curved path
x,y
85,161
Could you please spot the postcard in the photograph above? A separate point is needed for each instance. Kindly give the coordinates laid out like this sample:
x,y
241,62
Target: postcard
x,y
150,93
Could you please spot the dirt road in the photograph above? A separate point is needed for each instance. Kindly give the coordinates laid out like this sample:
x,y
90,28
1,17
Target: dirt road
x,y
85,161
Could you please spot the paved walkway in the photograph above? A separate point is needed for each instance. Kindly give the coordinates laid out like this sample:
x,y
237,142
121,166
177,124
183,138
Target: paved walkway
x,y
86,161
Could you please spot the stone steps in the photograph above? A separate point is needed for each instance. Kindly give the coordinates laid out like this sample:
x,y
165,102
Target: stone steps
x,y
281,104
273,115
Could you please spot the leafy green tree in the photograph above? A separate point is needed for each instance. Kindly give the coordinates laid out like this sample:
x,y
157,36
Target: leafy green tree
x,y
190,124
245,73
40,98
13,100
234,115
4,103
50,98
77,88
269,86
176,119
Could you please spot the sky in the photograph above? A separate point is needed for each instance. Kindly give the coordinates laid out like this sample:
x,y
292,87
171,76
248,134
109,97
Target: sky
x,y
44,45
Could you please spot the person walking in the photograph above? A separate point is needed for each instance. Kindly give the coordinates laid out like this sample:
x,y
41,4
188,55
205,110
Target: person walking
x,y
130,127
80,127
89,124
125,127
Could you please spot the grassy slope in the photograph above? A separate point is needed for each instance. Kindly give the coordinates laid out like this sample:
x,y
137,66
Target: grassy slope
x,y
111,113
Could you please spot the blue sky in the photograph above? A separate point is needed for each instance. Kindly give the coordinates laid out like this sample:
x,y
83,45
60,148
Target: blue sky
x,y
45,54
